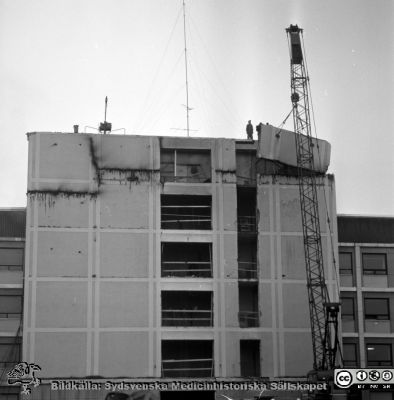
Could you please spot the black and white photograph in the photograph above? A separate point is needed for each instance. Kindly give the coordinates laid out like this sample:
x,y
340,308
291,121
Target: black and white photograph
x,y
197,199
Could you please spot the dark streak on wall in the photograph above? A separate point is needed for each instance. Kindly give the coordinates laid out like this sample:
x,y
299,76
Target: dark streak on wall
x,y
93,158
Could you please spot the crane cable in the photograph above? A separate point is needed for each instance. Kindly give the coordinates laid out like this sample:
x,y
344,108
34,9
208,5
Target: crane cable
x,y
146,107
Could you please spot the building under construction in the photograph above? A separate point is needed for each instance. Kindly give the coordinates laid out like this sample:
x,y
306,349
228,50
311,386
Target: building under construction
x,y
163,257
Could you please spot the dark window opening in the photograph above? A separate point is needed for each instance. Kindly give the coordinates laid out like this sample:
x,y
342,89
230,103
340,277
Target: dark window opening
x,y
347,308
185,166
374,264
246,210
379,354
185,259
246,167
247,255
186,308
9,393
250,358
186,212
10,351
187,358
345,263
376,309
11,303
11,258
350,357
248,305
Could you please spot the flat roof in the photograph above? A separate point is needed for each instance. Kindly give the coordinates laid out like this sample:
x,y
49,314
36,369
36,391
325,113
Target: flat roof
x,y
365,229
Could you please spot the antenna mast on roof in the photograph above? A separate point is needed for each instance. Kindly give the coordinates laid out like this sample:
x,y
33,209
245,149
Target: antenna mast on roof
x,y
105,126
186,77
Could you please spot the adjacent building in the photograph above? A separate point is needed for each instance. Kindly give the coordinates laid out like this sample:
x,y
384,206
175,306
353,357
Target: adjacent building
x,y
366,266
12,247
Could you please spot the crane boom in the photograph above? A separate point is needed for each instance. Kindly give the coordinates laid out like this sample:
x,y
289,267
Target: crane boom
x,y
323,314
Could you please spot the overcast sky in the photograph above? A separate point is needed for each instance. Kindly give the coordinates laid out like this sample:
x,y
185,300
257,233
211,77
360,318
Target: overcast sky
x,y
60,58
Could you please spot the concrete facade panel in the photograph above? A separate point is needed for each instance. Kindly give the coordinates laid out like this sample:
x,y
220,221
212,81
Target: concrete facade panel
x,y
123,354
61,305
185,143
264,257
124,304
61,354
66,156
231,304
230,264
266,354
124,255
126,152
65,211
232,354
290,215
229,208
62,254
295,305
124,206
224,156
293,257
266,304
264,193
278,144
298,353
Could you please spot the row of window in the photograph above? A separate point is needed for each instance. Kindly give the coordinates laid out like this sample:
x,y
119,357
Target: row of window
x,y
185,166
372,263
194,166
181,358
374,308
11,303
194,212
194,358
195,308
377,354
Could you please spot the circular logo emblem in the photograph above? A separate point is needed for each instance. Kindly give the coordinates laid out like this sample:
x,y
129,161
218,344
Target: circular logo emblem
x,y
374,375
343,378
361,375
387,375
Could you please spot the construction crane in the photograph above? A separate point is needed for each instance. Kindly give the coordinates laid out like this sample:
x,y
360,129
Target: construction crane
x,y
323,313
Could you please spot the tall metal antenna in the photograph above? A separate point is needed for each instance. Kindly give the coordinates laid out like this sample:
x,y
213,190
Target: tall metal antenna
x,y
105,110
105,126
187,83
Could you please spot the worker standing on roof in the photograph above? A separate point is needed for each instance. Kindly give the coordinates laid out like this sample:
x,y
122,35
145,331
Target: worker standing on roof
x,y
249,130
258,128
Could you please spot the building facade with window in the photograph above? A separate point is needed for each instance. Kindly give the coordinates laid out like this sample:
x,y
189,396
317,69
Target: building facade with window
x,y
162,257
366,266
12,247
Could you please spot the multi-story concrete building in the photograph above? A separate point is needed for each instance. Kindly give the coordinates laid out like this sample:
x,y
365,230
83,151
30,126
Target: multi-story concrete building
x,y
177,258
161,257
12,247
